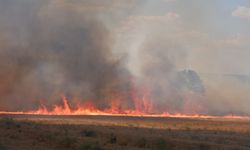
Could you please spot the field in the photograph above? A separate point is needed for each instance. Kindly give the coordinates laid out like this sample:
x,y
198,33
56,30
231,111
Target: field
x,y
31,132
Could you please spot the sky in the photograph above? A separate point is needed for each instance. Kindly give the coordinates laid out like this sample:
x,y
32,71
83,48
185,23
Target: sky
x,y
214,34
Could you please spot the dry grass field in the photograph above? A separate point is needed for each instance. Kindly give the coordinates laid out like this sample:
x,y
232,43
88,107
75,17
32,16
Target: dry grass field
x,y
22,132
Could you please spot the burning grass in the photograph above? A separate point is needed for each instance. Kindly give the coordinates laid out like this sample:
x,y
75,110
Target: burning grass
x,y
141,110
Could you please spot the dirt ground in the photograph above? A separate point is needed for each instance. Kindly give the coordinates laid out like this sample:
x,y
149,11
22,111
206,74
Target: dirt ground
x,y
26,132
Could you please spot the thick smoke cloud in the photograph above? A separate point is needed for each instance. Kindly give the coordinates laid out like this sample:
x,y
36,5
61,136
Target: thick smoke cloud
x,y
172,90
49,49
103,50
155,57
161,56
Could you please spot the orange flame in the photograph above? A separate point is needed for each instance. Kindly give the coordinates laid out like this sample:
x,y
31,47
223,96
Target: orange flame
x,y
142,109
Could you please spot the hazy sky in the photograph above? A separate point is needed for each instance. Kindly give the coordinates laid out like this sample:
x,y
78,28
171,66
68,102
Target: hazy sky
x,y
213,35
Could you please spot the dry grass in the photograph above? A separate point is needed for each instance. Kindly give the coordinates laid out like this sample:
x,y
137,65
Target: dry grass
x,y
118,133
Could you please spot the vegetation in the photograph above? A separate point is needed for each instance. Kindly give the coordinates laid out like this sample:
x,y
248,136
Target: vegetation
x,y
122,133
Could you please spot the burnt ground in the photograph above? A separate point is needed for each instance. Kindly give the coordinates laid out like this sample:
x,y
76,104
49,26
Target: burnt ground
x,y
30,132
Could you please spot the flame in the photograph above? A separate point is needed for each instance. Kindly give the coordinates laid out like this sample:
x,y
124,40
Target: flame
x,y
142,109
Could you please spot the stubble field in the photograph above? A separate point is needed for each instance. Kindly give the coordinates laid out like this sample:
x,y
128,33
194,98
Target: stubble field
x,y
31,132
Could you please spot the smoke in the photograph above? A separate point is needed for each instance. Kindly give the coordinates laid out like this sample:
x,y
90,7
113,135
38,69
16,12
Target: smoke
x,y
102,50
156,52
158,70
50,48
227,94
166,55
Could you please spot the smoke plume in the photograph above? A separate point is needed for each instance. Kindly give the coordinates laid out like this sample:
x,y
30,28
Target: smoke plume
x,y
49,49
100,51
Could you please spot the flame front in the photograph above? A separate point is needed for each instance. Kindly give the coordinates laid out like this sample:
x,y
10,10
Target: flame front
x,y
142,109
143,106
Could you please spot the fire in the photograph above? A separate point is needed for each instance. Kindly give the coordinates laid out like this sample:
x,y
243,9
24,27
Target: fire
x,y
143,106
142,109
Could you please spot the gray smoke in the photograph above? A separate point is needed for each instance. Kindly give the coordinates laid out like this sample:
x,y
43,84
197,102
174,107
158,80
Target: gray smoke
x,y
104,50
172,90
49,49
